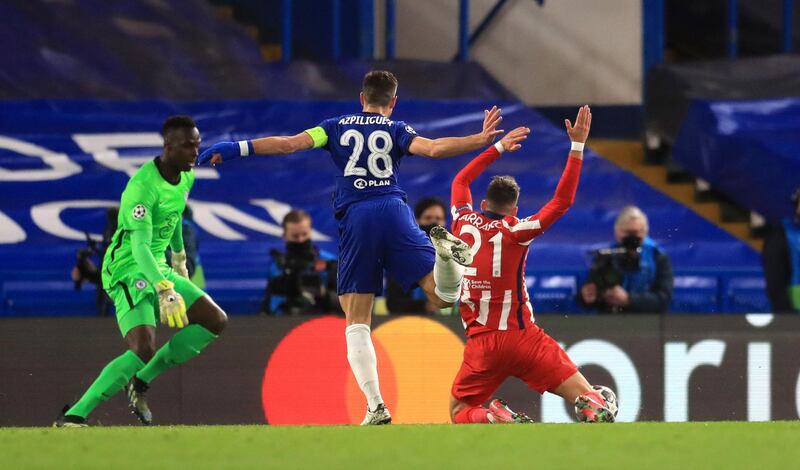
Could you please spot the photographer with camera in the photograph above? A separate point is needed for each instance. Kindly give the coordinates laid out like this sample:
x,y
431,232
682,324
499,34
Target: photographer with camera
x,y
301,280
632,276
89,262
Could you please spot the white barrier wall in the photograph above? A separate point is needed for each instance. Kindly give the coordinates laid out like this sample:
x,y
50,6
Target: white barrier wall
x,y
562,53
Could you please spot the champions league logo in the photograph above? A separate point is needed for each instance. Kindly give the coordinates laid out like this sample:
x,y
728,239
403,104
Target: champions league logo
x,y
140,284
139,212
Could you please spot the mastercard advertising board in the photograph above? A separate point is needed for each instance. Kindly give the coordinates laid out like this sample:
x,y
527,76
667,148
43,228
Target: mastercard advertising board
x,y
293,370
417,361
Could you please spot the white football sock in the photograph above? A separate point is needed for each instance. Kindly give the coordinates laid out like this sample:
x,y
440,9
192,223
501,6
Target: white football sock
x,y
364,362
447,276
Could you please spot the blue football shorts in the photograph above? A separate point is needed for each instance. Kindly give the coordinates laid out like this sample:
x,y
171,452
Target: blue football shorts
x,y
381,234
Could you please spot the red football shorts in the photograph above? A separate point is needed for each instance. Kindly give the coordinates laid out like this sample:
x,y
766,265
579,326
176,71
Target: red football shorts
x,y
490,358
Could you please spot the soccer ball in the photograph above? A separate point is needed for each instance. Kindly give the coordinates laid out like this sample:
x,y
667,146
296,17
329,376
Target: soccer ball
x,y
588,409
610,397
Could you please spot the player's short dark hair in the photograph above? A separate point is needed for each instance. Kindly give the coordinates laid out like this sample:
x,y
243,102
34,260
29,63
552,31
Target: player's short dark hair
x,y
426,203
295,216
177,122
379,87
503,191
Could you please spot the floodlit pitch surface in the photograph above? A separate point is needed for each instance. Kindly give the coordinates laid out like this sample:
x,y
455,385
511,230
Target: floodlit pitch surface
x,y
618,446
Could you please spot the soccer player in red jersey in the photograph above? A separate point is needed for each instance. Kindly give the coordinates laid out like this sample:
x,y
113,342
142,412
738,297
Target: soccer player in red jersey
x,y
502,338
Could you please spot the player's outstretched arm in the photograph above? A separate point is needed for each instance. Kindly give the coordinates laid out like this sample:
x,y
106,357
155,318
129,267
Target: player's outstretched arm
x,y
452,146
275,145
460,195
568,184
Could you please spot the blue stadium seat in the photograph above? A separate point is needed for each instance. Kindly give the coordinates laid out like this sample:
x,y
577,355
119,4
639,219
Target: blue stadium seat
x,y
556,258
746,294
696,293
48,298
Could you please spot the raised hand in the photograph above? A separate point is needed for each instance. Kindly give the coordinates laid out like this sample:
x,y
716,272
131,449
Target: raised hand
x,y
219,152
491,119
580,132
511,141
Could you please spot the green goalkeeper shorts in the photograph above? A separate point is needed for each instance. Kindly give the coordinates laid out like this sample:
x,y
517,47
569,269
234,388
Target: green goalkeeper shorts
x,y
136,300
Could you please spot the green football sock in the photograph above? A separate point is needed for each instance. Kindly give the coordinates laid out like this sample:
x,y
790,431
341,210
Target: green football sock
x,y
111,380
185,345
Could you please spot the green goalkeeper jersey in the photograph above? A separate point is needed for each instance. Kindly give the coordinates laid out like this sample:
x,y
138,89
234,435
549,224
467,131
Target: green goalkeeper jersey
x,y
150,203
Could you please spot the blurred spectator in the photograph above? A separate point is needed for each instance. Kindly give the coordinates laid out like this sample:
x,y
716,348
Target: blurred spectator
x,y
781,258
303,278
634,275
89,262
429,212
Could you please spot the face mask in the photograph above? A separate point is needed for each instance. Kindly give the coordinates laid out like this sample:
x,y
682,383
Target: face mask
x,y
427,228
631,242
299,248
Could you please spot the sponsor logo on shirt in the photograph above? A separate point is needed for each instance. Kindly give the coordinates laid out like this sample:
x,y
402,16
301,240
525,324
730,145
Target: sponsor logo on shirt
x,y
361,183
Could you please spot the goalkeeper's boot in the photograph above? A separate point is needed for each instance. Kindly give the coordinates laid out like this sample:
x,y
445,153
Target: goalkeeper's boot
x,y
379,416
69,421
500,413
136,390
591,408
448,246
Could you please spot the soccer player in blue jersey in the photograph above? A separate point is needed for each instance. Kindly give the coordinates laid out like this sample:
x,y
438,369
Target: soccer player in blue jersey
x,y
377,230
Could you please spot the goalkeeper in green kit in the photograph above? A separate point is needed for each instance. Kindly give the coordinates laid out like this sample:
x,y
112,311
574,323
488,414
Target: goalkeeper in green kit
x,y
143,287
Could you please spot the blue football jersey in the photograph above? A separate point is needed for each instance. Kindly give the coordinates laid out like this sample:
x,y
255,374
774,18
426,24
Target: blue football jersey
x,y
367,149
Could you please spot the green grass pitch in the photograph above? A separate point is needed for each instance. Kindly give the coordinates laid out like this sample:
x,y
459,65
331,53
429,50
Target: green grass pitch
x,y
548,446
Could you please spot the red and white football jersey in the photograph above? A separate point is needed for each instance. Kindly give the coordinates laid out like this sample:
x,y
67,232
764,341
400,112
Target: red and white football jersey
x,y
494,295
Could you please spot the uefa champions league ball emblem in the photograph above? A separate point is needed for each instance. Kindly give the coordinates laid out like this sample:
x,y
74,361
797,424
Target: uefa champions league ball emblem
x,y
139,212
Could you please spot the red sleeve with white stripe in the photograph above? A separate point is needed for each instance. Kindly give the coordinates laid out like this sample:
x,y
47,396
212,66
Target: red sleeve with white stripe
x,y
460,195
531,227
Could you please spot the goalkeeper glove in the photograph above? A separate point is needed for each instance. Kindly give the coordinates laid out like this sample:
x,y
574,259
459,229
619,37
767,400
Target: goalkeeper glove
x,y
179,263
171,305
226,151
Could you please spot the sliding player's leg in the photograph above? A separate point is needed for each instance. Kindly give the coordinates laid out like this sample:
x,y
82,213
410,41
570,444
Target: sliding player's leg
x,y
544,365
480,374
593,404
206,321
498,412
575,386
